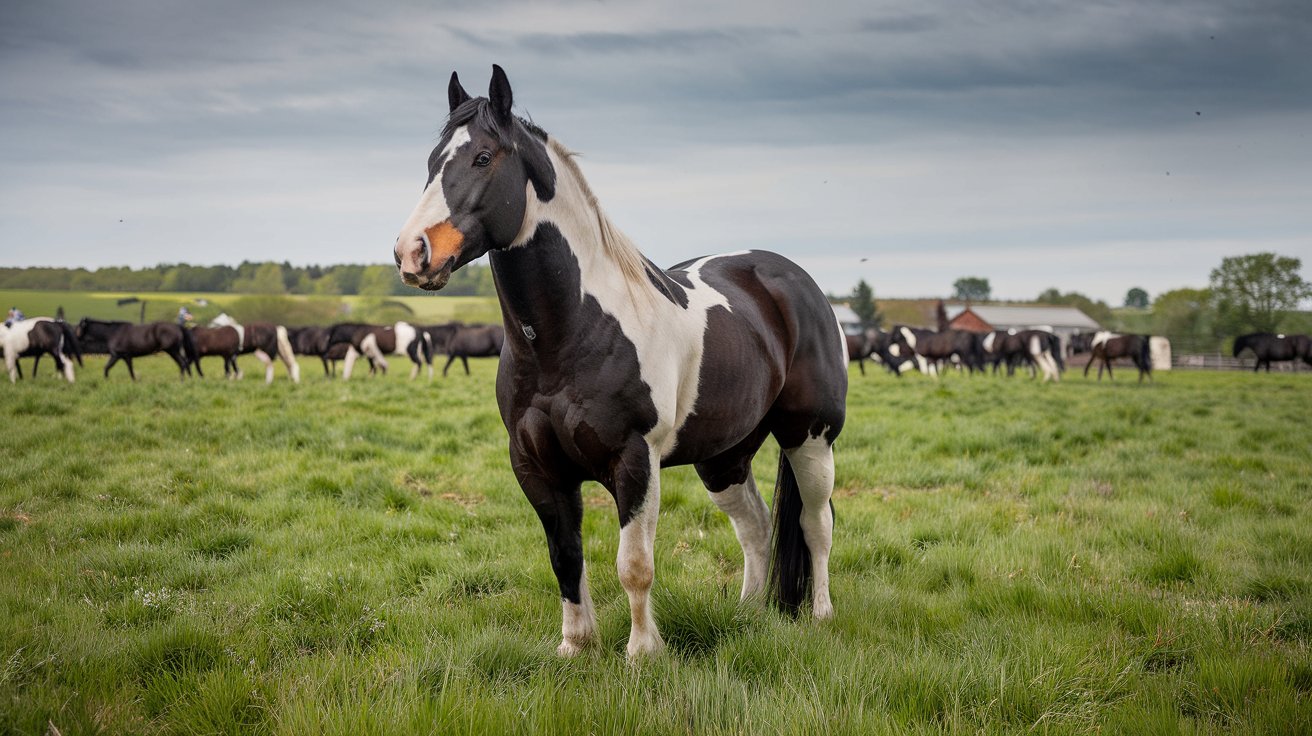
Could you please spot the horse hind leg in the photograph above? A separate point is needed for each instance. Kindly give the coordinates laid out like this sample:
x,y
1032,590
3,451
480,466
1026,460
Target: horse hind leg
x,y
812,466
733,490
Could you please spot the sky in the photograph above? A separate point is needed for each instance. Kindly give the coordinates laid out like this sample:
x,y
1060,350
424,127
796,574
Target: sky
x,y
1090,146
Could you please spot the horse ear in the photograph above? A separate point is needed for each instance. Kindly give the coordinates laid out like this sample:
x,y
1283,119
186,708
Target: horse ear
x,y
455,94
499,95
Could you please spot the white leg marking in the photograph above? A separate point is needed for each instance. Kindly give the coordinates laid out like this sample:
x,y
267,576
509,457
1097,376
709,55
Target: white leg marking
x,y
578,621
637,568
352,355
268,365
813,465
751,522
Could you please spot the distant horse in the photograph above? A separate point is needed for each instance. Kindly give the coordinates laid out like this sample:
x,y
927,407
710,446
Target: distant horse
x,y
223,341
93,334
474,341
37,336
936,348
265,340
128,341
314,341
1040,350
871,343
614,368
1269,347
1081,342
376,342
1108,346
439,335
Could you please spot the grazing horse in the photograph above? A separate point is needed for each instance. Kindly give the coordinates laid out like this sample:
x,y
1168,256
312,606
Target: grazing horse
x,y
1038,349
130,341
1108,346
1269,347
265,340
614,368
474,341
314,341
375,342
933,348
37,336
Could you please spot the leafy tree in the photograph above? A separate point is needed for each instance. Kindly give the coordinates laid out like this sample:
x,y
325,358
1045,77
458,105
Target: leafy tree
x,y
1136,298
1252,292
862,302
1187,317
379,281
971,288
265,278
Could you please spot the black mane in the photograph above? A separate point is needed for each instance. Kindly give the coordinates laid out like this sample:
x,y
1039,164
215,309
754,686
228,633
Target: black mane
x,y
479,112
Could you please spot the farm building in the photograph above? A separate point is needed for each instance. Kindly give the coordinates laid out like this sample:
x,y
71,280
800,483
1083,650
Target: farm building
x,y
1062,321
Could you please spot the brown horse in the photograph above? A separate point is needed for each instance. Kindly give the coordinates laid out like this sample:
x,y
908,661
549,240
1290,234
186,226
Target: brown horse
x,y
224,342
1108,346
133,341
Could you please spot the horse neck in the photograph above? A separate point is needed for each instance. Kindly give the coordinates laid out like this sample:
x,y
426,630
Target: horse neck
x,y
567,248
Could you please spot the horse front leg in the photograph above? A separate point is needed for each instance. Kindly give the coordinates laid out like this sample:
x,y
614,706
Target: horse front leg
x,y
552,486
637,488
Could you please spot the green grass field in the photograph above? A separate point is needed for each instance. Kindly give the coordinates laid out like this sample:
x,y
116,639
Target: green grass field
x,y
347,558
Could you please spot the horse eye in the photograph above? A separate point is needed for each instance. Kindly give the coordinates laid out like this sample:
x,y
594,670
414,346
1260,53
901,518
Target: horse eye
x,y
483,159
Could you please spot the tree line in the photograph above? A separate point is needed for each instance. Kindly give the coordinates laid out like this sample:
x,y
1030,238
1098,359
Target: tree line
x,y
268,278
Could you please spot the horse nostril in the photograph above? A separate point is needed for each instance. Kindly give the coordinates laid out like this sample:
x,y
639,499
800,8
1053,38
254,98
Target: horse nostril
x,y
424,254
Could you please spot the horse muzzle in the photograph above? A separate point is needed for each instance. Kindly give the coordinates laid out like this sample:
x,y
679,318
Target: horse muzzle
x,y
427,260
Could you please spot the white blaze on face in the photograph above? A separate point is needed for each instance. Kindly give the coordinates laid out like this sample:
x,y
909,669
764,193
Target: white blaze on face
x,y
432,207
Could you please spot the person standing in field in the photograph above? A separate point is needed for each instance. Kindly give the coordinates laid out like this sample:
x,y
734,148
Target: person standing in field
x,y
184,316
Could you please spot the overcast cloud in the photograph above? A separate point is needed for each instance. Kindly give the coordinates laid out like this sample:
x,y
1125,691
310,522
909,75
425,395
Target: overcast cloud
x,y
1090,146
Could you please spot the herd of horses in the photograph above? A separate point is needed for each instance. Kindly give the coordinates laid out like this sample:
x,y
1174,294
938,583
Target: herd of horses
x,y
908,348
226,339
1041,352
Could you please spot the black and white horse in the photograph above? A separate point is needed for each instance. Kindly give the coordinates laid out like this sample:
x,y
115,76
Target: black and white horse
x,y
1268,347
614,368
265,340
934,349
37,336
376,342
1039,350
314,341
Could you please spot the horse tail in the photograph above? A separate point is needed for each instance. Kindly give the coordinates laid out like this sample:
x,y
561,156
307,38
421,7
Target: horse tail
x,y
1146,353
287,354
790,560
70,340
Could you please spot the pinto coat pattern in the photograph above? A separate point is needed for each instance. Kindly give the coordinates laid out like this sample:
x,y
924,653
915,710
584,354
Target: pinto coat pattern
x,y
613,368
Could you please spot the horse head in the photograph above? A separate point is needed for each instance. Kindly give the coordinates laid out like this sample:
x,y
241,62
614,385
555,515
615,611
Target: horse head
x,y
478,186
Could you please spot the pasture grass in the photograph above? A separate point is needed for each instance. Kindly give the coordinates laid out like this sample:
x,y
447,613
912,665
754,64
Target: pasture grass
x,y
356,557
